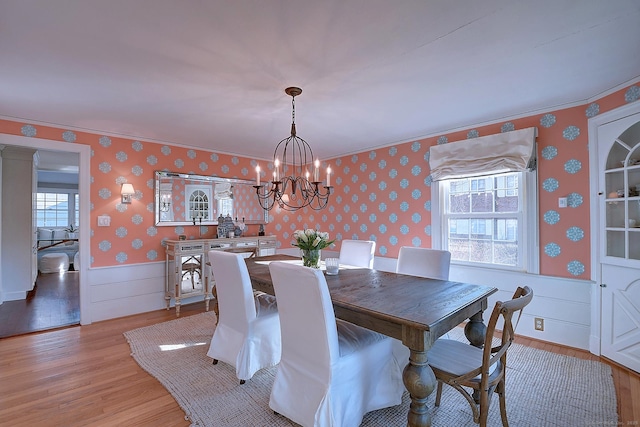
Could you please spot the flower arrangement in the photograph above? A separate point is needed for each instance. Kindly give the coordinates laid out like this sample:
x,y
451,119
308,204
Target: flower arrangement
x,y
310,239
310,243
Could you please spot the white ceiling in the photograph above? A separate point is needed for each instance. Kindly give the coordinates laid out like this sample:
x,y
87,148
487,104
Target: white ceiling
x,y
212,73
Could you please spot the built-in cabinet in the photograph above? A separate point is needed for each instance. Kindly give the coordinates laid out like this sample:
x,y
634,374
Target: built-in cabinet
x,y
617,156
19,262
188,272
622,188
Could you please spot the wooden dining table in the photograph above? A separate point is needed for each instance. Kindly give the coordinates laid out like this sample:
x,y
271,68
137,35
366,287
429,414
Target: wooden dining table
x,y
412,309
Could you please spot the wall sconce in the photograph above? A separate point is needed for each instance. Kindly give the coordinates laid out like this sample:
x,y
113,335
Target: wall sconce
x,y
126,192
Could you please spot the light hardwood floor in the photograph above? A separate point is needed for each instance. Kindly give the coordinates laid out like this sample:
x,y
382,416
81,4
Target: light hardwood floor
x,y
85,376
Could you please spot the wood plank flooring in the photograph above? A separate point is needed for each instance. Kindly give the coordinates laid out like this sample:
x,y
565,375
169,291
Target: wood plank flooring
x,y
85,376
53,303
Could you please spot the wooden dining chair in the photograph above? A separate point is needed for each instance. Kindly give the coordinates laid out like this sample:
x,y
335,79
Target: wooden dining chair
x,y
358,253
192,267
482,370
424,262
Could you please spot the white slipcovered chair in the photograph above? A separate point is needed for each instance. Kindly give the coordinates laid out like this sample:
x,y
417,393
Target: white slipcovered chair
x,y
358,253
332,372
424,262
247,335
420,262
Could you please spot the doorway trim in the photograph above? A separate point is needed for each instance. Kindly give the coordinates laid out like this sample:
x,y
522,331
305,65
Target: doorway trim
x,y
84,183
596,272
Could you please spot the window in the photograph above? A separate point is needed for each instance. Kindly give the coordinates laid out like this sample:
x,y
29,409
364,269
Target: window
x,y
225,207
199,205
489,220
57,209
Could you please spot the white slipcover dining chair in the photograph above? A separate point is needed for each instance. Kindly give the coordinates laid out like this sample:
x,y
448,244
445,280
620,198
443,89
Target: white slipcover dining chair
x,y
424,262
420,262
247,335
332,372
358,253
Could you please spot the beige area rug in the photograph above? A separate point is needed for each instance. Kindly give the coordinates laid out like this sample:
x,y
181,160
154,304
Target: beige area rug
x,y
543,388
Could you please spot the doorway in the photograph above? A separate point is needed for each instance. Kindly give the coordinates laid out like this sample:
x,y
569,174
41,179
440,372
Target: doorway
x,y
82,153
616,165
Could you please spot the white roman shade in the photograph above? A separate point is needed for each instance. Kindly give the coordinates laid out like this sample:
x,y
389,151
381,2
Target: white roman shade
x,y
223,190
513,151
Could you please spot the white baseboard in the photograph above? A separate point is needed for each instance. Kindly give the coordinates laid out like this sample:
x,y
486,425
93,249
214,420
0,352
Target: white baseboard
x,y
14,296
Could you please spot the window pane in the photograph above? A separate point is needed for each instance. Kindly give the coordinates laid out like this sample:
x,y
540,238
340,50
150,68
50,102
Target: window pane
x,y
480,251
482,202
459,249
52,209
226,207
505,253
478,230
459,203
77,209
507,193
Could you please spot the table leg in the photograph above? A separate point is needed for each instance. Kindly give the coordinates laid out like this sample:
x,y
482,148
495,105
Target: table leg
x,y
420,381
475,330
207,294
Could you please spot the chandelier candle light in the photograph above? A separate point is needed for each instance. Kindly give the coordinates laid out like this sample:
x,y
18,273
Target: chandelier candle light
x,y
293,187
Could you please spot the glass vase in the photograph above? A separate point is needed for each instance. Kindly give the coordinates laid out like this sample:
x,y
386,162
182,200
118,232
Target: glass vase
x,y
311,257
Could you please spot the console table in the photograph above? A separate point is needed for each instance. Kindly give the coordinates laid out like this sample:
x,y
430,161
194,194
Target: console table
x,y
187,273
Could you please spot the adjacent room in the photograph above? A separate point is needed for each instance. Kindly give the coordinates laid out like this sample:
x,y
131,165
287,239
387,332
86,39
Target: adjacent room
x,y
213,212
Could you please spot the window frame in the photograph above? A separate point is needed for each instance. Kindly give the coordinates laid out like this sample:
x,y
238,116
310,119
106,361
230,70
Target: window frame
x,y
528,246
73,206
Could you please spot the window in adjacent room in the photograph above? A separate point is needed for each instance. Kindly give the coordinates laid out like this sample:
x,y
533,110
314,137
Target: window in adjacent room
x,y
55,209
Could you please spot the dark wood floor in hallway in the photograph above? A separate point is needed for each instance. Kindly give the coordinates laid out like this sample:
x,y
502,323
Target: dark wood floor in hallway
x,y
53,303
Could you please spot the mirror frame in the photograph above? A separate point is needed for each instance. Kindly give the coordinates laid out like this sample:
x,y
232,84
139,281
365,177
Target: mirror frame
x,y
204,179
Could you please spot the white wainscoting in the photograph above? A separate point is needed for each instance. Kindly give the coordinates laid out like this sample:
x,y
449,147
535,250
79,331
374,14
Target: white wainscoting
x,y
564,304
130,289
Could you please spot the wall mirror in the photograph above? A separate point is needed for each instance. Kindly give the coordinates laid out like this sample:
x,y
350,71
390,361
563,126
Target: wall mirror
x,y
185,199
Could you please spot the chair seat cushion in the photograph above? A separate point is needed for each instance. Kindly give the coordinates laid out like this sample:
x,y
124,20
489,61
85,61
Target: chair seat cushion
x,y
265,304
353,337
455,357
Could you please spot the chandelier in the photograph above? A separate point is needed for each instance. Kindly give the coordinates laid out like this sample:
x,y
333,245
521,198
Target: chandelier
x,y
293,186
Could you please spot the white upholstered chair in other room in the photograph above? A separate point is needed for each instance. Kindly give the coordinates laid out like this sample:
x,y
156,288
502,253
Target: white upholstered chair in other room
x,y
247,335
424,262
482,370
332,372
358,253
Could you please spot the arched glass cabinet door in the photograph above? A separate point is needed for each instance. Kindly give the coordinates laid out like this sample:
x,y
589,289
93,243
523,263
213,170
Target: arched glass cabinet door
x,y
622,183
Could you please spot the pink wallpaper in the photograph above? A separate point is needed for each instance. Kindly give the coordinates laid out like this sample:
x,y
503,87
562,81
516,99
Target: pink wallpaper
x,y
382,194
385,194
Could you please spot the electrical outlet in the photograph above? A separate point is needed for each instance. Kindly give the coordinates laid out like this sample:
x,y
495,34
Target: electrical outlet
x,y
538,323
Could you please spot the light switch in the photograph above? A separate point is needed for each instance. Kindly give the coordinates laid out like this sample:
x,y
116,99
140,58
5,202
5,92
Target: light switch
x,y
562,202
104,221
